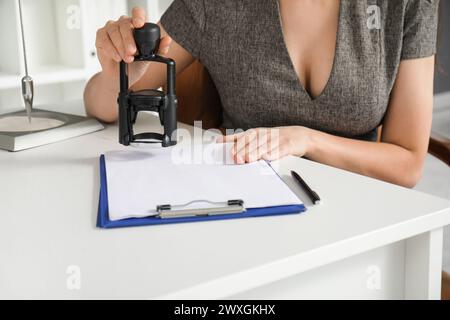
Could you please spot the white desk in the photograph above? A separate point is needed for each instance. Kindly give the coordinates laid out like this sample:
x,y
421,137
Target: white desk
x,y
368,240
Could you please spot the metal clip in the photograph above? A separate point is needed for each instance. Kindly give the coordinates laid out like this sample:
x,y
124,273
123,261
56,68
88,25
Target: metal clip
x,y
215,209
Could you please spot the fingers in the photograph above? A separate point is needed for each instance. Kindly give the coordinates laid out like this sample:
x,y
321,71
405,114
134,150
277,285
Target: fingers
x,y
164,46
255,150
239,144
138,17
126,32
241,141
245,144
116,40
104,44
253,145
268,144
115,37
257,144
258,138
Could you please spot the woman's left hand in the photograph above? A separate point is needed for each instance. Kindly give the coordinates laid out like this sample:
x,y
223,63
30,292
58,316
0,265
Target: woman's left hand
x,y
268,144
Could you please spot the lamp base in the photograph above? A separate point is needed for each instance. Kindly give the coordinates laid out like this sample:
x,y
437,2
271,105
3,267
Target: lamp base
x,y
47,127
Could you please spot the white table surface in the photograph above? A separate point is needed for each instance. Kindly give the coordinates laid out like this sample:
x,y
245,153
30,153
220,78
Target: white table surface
x,y
48,208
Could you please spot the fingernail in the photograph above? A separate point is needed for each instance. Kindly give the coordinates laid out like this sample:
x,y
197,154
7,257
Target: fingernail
x,y
131,48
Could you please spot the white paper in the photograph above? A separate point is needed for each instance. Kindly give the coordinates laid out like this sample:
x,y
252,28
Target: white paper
x,y
140,180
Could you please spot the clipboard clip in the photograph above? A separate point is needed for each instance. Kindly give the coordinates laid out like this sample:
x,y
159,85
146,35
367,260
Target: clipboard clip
x,y
214,209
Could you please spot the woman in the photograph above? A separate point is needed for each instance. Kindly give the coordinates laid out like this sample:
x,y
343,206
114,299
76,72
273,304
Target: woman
x,y
320,75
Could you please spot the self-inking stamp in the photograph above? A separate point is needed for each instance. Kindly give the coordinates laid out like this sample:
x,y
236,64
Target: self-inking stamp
x,y
164,103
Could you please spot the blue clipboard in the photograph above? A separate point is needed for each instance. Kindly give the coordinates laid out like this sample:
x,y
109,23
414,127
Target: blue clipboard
x,y
104,222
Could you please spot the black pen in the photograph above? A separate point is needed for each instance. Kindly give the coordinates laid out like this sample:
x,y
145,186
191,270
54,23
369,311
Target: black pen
x,y
311,193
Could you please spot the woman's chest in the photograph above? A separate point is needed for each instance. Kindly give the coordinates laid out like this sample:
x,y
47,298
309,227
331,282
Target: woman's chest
x,y
258,80
310,31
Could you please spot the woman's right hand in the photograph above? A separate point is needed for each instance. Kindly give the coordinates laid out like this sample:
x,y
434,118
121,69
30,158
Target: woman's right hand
x,y
115,42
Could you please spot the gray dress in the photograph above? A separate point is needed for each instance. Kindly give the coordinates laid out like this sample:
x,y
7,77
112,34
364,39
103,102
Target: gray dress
x,y
241,44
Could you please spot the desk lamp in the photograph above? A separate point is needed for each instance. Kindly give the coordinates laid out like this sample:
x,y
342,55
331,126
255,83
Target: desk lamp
x,y
32,128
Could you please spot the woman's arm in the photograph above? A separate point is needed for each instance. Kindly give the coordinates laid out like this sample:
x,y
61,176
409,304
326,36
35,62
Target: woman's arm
x,y
398,159
115,42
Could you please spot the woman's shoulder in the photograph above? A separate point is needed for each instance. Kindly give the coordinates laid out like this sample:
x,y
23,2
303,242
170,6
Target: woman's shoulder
x,y
407,8
415,22
406,27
